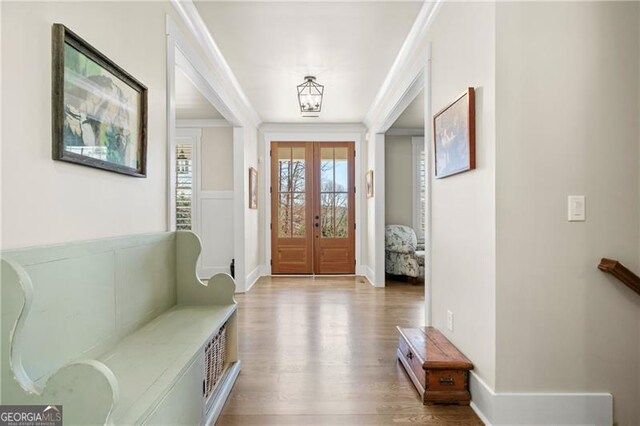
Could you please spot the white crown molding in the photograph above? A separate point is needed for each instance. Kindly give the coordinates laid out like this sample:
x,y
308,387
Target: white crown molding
x,y
202,123
312,127
405,131
405,79
548,409
232,92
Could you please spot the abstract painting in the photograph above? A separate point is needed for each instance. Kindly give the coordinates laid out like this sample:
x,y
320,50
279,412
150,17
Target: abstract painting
x,y
454,136
253,188
368,183
99,110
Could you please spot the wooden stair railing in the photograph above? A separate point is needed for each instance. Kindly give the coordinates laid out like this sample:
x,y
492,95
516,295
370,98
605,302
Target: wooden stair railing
x,y
618,270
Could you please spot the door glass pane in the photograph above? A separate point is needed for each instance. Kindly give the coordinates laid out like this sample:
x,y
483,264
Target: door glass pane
x,y
326,215
298,169
184,186
298,223
341,169
326,169
284,167
341,215
284,216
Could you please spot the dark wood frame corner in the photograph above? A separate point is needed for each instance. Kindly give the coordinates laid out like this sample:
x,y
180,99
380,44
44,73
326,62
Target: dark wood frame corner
x,y
61,35
470,92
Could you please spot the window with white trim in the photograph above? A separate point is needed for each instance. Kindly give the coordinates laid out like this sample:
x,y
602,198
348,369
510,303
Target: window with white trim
x,y
184,187
419,187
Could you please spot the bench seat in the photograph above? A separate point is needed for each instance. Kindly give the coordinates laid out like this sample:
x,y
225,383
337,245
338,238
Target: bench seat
x,y
118,331
148,362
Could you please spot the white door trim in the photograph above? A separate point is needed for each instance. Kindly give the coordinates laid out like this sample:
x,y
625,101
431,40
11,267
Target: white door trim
x,y
220,91
311,136
194,136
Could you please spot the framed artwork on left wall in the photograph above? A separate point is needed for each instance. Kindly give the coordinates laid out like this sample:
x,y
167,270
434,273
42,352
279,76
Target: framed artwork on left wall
x,y
99,111
253,188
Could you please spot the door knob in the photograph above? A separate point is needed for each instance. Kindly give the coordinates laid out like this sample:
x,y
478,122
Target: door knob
x,y
317,217
317,225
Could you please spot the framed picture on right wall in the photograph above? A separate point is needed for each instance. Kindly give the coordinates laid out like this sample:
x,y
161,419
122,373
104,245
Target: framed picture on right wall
x,y
454,136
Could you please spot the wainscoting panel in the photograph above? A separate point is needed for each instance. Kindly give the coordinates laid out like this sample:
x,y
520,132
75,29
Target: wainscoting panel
x,y
216,232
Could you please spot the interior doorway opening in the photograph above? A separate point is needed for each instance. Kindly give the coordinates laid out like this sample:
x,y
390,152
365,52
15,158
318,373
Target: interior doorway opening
x,y
405,196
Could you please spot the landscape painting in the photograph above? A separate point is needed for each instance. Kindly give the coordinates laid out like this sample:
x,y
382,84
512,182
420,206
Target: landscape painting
x,y
454,136
99,111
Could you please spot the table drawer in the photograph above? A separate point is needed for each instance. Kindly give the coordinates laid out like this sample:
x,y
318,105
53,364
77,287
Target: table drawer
x,y
446,380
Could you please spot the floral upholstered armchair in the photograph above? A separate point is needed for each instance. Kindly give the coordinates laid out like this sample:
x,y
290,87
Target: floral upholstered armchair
x,y
403,256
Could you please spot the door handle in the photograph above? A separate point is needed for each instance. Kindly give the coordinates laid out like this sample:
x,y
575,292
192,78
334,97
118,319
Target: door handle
x,y
317,225
317,217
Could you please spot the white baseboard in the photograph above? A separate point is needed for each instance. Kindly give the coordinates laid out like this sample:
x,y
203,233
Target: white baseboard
x,y
548,409
265,270
252,278
369,274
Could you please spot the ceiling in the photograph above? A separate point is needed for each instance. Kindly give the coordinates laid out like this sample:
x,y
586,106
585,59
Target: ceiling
x,y
348,46
413,116
190,104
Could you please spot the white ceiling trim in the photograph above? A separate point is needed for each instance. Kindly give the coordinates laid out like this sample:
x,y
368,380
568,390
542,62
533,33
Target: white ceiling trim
x,y
233,91
405,75
405,131
202,123
312,127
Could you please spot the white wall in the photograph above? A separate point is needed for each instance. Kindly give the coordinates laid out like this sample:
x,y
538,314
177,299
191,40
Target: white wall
x,y
567,119
463,206
46,201
217,159
399,180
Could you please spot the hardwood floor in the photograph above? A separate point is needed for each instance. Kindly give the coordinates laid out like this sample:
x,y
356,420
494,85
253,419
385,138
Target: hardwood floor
x,y
323,352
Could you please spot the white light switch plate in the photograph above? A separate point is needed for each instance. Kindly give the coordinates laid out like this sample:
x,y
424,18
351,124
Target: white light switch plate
x,y
577,208
450,320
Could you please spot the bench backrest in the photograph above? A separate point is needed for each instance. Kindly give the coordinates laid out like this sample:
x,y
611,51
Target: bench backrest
x,y
88,295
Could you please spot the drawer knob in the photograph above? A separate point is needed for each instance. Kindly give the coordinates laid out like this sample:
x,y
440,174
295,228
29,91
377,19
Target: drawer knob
x,y
409,355
446,381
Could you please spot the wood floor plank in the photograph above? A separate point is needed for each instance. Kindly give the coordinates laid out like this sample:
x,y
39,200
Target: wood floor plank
x,y
322,351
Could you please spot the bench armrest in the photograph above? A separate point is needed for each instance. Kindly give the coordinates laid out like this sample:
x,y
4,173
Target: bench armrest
x,y
220,288
87,389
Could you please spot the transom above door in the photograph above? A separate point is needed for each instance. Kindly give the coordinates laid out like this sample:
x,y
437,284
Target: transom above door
x,y
312,208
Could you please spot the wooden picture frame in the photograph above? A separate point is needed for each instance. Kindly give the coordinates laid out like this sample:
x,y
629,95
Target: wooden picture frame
x,y
253,188
99,111
368,183
454,136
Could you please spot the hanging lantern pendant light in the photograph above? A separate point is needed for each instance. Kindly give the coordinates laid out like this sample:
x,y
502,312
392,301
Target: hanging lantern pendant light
x,y
310,96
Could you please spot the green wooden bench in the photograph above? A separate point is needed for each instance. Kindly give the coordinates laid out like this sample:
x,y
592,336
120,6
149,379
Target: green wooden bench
x,y
116,330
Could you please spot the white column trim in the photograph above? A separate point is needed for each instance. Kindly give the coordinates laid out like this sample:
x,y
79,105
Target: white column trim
x,y
221,93
429,154
202,123
378,145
